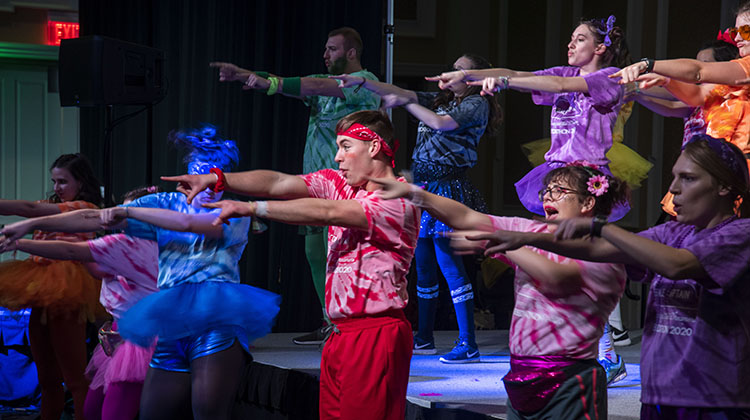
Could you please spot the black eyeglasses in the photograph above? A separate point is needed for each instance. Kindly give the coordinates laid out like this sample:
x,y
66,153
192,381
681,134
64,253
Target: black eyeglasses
x,y
556,193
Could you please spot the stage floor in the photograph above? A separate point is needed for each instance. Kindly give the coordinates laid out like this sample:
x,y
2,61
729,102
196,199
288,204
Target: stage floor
x,y
473,387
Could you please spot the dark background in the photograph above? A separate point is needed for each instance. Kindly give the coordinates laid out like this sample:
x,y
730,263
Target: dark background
x,y
287,38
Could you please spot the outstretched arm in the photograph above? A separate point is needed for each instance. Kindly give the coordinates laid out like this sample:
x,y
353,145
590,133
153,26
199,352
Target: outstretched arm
x,y
451,78
56,250
665,107
554,84
200,223
258,183
309,86
26,208
687,70
303,211
553,278
85,220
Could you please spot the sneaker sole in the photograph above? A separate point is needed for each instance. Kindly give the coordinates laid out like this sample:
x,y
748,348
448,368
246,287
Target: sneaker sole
x,y
623,343
457,362
308,343
424,351
618,378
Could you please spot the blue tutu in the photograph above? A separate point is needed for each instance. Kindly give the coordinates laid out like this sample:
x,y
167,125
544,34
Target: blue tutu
x,y
445,181
190,309
529,186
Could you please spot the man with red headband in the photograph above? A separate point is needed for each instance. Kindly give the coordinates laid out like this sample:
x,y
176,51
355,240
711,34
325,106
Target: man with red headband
x,y
365,363
328,103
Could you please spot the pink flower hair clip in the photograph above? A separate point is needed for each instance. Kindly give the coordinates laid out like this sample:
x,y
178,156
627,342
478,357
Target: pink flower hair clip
x,y
598,185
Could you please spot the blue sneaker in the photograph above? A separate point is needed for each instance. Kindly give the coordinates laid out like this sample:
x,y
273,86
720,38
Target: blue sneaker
x,y
424,346
615,371
462,353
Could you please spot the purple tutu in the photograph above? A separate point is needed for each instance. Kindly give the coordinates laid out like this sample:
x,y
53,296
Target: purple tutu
x,y
529,186
129,363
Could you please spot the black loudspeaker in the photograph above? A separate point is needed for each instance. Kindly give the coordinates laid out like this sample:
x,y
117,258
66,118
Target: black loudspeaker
x,y
95,70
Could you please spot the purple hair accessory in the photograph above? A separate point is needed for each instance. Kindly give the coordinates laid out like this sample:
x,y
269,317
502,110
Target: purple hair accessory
x,y
736,163
610,25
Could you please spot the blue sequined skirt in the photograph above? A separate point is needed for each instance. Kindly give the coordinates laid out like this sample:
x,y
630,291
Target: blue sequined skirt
x,y
446,181
190,309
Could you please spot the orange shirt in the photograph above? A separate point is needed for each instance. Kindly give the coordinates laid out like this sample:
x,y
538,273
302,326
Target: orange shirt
x,y
64,236
727,111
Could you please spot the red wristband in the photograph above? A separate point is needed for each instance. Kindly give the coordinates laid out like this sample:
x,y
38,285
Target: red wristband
x,y
221,181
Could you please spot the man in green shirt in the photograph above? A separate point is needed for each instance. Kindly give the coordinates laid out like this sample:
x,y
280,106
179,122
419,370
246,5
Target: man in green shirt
x,y
328,104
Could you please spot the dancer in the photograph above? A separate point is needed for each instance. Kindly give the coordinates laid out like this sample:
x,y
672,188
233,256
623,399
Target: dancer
x,y
328,104
62,294
696,342
364,369
128,268
562,304
725,105
585,102
451,125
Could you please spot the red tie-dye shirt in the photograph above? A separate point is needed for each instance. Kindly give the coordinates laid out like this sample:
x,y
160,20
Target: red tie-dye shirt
x,y
366,270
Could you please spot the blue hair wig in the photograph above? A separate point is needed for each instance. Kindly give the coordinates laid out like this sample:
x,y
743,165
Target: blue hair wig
x,y
205,149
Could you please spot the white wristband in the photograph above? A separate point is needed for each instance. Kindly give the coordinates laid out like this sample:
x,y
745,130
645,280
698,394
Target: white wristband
x,y
416,196
261,208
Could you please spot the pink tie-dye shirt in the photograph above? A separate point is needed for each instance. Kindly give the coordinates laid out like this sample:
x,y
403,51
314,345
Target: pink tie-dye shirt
x,y
562,326
133,263
366,270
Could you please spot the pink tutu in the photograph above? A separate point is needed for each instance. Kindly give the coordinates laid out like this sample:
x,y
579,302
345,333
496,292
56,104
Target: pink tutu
x,y
129,363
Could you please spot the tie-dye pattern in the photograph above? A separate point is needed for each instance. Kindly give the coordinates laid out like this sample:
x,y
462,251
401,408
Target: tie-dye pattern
x,y
134,265
727,111
189,257
571,325
366,270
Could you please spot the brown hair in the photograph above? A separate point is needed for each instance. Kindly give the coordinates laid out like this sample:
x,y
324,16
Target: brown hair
x,y
495,118
617,53
80,168
704,156
139,192
376,121
743,8
351,39
577,178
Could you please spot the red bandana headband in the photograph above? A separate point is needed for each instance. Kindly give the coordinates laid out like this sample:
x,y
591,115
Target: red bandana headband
x,y
360,132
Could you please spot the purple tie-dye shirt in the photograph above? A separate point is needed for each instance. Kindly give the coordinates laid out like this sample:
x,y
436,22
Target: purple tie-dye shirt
x,y
570,325
581,123
696,337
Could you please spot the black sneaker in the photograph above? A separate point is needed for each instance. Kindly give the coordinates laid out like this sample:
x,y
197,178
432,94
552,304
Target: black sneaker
x,y
316,337
621,338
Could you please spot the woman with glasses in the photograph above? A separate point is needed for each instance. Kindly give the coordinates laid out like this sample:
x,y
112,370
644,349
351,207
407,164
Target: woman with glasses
x,y
725,104
451,124
562,304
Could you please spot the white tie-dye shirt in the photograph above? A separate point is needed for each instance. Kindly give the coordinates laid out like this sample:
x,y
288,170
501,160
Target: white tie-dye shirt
x,y
561,326
366,270
134,265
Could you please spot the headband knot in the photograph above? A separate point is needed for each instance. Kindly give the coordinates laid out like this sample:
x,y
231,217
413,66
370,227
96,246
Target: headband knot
x,y
360,132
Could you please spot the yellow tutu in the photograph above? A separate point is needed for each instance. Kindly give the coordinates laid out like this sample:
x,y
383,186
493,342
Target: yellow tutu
x,y
625,163
61,287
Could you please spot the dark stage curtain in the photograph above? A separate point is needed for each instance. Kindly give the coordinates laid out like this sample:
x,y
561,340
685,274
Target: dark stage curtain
x,y
282,36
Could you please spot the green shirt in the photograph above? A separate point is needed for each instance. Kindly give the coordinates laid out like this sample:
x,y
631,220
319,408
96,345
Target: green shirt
x,y
325,112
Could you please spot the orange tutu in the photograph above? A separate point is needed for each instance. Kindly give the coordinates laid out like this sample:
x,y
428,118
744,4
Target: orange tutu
x,y
61,287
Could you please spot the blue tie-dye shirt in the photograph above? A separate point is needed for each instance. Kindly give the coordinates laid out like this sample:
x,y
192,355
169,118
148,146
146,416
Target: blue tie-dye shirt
x,y
186,257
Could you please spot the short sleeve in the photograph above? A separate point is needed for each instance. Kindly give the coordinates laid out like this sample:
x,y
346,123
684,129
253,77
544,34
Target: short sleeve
x,y
724,253
364,98
323,183
130,257
141,229
745,63
603,90
472,111
515,224
547,98
602,280
426,98
639,272
390,221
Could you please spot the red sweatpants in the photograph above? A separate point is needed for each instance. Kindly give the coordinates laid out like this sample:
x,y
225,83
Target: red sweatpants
x,y
364,371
